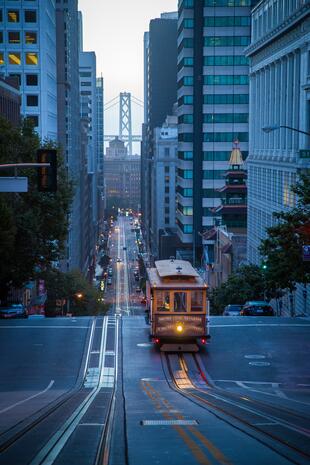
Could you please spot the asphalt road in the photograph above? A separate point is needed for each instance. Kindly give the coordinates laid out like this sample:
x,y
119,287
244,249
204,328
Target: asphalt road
x,y
152,407
40,360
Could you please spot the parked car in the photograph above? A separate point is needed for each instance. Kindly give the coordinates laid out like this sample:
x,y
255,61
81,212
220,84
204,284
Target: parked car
x,y
110,272
109,281
118,260
138,289
13,311
137,277
232,310
257,308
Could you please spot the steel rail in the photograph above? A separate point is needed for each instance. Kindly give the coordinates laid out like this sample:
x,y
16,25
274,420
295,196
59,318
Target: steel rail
x,y
268,439
43,413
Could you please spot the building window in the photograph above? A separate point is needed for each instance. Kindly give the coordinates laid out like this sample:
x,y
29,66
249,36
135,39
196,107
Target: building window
x,y
166,219
1,37
188,23
187,81
188,4
14,58
30,37
31,79
85,74
32,100
225,80
186,137
86,84
14,37
167,169
226,118
214,174
30,16
167,210
187,228
167,152
227,21
17,76
224,99
31,58
34,120
226,41
1,58
1,15
225,136
167,190
13,16
187,119
185,174
228,2
187,155
230,60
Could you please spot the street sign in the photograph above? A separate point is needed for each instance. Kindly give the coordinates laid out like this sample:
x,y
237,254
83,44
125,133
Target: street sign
x,y
306,253
16,184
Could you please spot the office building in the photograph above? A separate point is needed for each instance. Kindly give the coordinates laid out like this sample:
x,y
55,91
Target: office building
x,y
68,102
163,175
280,95
10,100
28,52
100,147
88,92
213,96
160,61
122,177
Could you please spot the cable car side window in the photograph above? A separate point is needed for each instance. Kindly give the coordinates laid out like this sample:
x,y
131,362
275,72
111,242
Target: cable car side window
x,y
180,301
196,304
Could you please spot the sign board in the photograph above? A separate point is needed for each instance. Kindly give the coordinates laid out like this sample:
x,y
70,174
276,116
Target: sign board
x,y
306,253
16,184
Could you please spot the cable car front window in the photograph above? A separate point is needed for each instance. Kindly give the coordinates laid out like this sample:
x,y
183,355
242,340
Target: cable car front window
x,y
163,301
180,301
197,305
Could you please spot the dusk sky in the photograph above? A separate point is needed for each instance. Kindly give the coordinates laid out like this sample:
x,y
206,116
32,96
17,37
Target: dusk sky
x,y
114,30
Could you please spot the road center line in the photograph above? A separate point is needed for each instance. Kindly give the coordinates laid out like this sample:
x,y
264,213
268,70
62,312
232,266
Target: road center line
x,y
28,398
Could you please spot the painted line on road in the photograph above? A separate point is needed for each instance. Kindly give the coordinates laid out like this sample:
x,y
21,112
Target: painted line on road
x,y
28,398
89,347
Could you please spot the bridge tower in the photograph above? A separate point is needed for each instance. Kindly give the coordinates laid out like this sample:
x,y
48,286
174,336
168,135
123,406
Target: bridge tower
x,y
125,127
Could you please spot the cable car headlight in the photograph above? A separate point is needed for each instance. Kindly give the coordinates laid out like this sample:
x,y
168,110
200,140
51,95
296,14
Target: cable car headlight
x,y
179,328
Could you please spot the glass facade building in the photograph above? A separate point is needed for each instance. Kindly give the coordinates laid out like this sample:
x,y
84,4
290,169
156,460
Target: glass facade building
x,y
28,51
213,106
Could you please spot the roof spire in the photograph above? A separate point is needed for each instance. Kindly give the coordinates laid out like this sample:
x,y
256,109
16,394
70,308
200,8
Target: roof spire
x,y
236,159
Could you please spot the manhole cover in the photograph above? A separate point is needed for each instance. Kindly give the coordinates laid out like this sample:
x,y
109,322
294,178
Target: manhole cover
x,y
168,422
145,344
259,364
255,357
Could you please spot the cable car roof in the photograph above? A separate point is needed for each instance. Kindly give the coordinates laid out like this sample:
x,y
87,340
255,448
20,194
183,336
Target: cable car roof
x,y
169,268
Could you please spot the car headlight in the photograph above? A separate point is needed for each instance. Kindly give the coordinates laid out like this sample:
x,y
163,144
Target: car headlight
x,y
179,328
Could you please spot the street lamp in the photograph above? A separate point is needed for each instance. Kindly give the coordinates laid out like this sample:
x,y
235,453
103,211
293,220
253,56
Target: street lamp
x,y
277,126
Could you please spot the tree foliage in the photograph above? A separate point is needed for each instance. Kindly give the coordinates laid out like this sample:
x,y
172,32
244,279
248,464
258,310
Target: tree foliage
x,y
247,283
33,225
282,250
83,298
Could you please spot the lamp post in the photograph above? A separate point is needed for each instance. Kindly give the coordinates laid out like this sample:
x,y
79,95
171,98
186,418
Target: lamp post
x,y
279,126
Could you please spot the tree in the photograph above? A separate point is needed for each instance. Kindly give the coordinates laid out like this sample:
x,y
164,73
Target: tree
x,y
247,283
83,298
282,249
33,225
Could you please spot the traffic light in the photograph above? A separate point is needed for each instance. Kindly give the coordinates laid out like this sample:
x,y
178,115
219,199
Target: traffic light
x,y
47,175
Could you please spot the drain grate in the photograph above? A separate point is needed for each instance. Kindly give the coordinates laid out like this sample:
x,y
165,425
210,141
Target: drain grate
x,y
168,422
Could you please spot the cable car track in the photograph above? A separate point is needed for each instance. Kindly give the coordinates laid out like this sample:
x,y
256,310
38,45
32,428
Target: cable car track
x,y
82,399
283,435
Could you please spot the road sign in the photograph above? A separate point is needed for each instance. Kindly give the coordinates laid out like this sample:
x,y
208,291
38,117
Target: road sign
x,y
306,253
16,184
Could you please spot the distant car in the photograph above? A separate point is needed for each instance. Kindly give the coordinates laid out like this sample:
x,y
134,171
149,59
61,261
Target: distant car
x,y
143,300
110,273
118,260
232,310
13,311
124,248
257,308
138,289
109,281
137,277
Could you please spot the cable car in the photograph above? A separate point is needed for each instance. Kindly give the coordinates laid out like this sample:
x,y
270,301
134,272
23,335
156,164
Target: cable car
x,y
177,306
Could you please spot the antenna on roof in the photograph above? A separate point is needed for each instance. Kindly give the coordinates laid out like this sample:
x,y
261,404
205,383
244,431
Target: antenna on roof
x,y
171,258
179,269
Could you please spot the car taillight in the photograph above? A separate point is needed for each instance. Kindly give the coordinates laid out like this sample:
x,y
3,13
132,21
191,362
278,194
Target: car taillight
x,y
203,340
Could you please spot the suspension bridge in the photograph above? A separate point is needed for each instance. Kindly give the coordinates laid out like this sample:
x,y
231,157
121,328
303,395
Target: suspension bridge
x,y
124,100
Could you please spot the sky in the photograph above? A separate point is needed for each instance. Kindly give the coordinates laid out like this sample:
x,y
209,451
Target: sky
x,y
114,30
